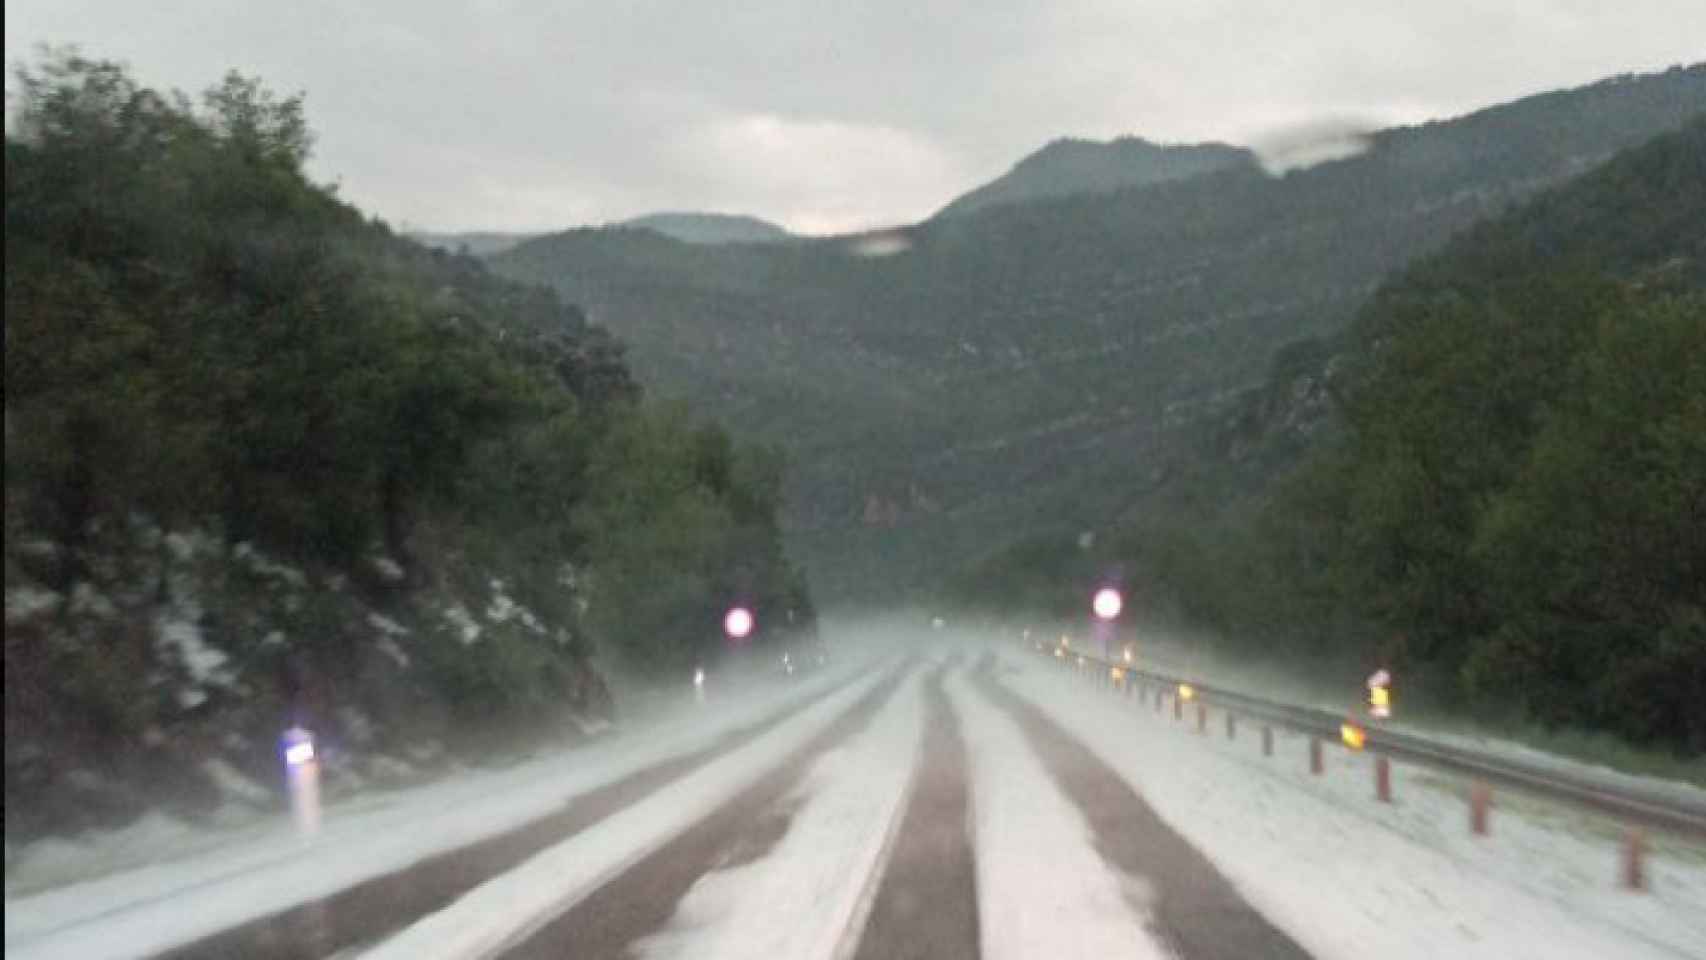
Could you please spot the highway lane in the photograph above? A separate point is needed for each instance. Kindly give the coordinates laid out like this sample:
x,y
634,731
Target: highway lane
x,y
368,911
640,900
926,906
890,796
1195,911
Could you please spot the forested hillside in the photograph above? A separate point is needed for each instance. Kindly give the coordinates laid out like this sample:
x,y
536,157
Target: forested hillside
x,y
711,228
476,243
267,462
1501,490
1033,366
1066,167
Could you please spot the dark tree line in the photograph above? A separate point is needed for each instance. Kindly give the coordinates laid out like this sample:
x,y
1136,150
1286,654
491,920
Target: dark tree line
x,y
1511,506
199,338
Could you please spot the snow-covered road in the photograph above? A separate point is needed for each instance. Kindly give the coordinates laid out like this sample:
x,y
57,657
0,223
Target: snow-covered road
x,y
956,804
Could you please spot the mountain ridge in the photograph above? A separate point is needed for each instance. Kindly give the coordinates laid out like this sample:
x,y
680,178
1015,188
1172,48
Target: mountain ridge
x,y
1023,365
709,228
1069,165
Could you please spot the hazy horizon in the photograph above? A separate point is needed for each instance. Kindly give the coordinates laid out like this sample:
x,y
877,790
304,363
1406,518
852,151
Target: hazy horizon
x,y
492,118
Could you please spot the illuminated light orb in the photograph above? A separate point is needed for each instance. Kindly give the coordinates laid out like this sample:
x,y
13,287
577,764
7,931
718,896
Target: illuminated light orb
x,y
738,623
1107,603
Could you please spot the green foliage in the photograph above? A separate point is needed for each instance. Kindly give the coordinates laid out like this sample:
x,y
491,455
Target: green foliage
x,y
199,338
1596,549
1034,366
1519,485
680,526
1512,512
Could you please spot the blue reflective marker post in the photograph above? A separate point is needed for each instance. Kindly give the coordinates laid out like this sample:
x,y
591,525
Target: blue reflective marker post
x,y
302,777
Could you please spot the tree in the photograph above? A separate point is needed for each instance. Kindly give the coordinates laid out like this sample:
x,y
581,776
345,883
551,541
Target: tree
x,y
1598,547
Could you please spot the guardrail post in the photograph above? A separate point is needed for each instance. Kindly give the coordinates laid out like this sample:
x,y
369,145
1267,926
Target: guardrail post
x,y
1231,726
1315,765
1382,779
1178,707
1157,698
1202,717
1267,741
1480,798
1634,859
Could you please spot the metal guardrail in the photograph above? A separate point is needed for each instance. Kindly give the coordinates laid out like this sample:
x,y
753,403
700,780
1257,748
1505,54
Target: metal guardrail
x,y
1632,804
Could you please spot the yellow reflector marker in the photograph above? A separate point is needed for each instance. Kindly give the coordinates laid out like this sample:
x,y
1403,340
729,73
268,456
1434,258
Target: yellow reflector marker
x,y
1117,674
1352,735
1186,691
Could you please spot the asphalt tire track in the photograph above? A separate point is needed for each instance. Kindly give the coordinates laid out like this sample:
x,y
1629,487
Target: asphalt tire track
x,y
643,898
377,907
1196,911
926,905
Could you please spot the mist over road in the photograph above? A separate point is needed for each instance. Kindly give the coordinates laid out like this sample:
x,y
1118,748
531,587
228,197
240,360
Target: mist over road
x,y
935,796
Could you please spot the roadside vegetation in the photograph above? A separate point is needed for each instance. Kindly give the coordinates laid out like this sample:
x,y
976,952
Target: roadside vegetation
x,y
268,462
1506,501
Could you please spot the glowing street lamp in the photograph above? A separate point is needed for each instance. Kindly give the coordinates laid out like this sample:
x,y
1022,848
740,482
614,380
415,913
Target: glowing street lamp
x,y
1107,603
737,623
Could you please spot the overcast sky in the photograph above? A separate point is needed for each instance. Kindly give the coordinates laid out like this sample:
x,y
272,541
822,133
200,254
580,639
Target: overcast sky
x,y
824,116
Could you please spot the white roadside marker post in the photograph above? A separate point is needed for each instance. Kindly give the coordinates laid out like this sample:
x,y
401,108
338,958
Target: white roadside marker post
x,y
302,776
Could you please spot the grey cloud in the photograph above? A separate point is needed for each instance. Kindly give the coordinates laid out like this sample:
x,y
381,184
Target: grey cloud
x,y
825,115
